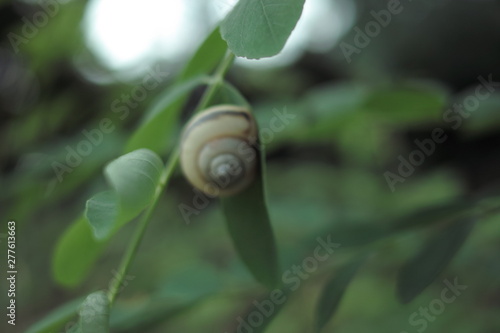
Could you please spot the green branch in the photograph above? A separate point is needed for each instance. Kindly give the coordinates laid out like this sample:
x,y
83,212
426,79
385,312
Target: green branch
x,y
214,84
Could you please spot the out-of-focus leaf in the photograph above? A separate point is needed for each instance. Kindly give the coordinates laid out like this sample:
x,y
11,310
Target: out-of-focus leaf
x,y
357,234
403,103
359,116
257,29
181,291
58,39
489,205
334,291
432,215
250,228
228,94
406,104
207,56
268,318
486,117
56,319
418,273
75,253
134,178
337,100
94,313
159,123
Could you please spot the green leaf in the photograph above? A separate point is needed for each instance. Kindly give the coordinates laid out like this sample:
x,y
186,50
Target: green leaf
x,y
334,291
228,94
406,103
134,178
486,116
250,229
418,273
56,319
94,313
75,253
206,58
352,112
256,29
158,127
102,211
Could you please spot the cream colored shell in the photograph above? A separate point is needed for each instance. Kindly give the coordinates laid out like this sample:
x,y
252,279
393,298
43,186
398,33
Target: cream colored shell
x,y
218,153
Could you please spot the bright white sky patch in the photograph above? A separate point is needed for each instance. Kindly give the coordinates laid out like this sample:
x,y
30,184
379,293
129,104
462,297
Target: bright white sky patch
x,y
124,33
131,33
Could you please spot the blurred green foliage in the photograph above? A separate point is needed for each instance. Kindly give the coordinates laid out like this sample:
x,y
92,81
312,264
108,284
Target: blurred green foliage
x,y
325,176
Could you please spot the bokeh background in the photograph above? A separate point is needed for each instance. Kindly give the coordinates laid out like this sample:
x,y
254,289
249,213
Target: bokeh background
x,y
325,169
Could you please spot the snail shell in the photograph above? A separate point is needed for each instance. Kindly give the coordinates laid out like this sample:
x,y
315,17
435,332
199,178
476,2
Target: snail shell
x,y
218,150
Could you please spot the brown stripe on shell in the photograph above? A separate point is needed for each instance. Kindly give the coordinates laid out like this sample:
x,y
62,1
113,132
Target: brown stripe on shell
x,y
212,116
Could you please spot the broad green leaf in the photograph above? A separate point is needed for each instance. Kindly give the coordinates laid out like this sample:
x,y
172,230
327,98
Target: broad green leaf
x,y
228,94
57,319
94,313
406,104
250,228
75,253
418,273
158,127
102,211
207,56
334,291
134,178
257,29
358,116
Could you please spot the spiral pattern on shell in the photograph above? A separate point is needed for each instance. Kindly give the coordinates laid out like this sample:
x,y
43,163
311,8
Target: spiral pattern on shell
x,y
218,154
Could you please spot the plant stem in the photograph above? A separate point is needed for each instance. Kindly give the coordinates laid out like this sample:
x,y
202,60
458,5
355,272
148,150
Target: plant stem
x,y
141,228
167,172
216,81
